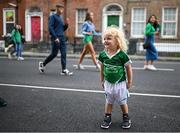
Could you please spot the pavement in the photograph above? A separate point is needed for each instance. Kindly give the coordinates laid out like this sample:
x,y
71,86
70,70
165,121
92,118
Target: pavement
x,y
77,55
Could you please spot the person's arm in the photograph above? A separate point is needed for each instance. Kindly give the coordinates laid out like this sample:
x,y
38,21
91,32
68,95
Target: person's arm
x,y
129,75
66,25
51,26
84,29
97,33
149,30
102,75
13,36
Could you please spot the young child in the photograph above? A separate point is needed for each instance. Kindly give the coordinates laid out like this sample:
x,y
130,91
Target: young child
x,y
115,65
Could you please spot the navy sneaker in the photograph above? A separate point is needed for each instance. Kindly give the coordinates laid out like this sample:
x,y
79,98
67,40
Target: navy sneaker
x,y
126,124
3,103
106,122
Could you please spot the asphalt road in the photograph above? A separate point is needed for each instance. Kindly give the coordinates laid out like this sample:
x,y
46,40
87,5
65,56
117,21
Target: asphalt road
x,y
51,102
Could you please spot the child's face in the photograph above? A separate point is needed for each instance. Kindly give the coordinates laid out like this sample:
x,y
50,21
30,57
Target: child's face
x,y
110,42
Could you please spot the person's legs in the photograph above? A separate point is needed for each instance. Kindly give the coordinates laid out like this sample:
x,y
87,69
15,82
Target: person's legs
x,y
17,50
20,52
63,53
54,52
83,53
107,117
92,52
124,108
65,71
108,108
93,55
20,49
109,96
13,49
151,62
126,120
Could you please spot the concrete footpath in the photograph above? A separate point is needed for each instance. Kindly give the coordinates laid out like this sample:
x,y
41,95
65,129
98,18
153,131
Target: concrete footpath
x,y
69,55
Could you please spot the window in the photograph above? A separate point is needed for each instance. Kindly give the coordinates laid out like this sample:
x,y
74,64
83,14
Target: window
x,y
8,20
113,8
138,22
80,17
169,23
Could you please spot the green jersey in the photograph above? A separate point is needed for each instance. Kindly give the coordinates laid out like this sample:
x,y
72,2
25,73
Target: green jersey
x,y
114,66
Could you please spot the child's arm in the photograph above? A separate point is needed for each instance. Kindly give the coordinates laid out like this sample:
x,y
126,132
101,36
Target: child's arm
x,y
129,75
102,75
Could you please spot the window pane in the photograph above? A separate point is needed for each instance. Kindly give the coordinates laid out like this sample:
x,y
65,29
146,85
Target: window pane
x,y
169,29
113,8
169,22
138,28
9,27
138,14
10,16
169,14
138,22
80,28
81,15
80,19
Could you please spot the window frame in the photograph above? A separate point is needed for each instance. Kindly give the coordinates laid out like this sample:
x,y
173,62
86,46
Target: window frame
x,y
77,21
132,21
4,18
167,21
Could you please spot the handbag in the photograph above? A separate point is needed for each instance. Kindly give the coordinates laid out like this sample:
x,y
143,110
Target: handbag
x,y
146,44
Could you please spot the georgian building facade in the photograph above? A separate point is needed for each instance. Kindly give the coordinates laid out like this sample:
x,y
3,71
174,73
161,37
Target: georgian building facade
x,y
129,15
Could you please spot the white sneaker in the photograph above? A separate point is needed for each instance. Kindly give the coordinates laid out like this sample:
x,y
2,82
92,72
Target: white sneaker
x,y
145,67
80,67
6,50
41,67
20,58
66,72
151,67
9,56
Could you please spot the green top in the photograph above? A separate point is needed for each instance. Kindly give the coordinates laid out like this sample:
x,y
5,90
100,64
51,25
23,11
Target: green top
x,y
149,29
114,66
16,36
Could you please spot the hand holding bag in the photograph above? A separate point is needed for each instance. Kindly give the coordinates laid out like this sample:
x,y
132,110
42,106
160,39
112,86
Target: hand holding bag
x,y
146,44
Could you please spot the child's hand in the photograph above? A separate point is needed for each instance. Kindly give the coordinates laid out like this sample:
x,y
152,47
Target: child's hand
x,y
129,85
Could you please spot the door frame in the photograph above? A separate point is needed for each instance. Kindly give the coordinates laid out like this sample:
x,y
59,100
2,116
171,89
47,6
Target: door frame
x,y
116,13
28,16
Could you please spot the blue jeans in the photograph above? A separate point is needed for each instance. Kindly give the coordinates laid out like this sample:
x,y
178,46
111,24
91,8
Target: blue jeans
x,y
18,49
54,51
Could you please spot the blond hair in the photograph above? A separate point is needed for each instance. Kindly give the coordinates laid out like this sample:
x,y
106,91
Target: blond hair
x,y
118,36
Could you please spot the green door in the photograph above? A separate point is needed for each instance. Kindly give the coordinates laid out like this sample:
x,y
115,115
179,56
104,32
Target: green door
x,y
113,20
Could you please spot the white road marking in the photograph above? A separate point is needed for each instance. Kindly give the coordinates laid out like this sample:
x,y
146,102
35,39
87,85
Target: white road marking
x,y
134,68
81,90
159,69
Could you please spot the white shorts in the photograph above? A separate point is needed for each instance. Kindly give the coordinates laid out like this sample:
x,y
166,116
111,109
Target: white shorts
x,y
116,92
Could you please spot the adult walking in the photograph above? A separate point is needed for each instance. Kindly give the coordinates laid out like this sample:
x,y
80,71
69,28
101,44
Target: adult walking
x,y
57,28
88,30
17,38
151,52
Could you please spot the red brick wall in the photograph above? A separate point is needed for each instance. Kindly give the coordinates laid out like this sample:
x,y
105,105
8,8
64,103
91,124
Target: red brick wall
x,y
96,6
